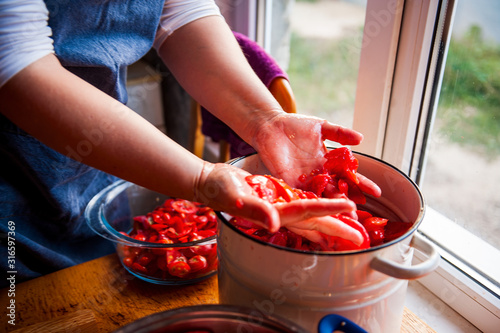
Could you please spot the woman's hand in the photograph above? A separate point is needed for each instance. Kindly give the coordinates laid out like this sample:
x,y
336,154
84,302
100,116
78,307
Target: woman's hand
x,y
292,144
224,188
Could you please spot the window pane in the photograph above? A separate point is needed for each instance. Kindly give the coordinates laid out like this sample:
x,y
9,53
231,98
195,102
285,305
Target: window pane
x,y
463,169
324,57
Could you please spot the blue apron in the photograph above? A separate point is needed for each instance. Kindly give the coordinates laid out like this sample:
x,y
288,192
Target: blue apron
x,y
43,194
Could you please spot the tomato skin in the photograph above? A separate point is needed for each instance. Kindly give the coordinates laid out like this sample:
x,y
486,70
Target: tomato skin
x,y
139,268
178,268
341,162
161,262
362,215
176,221
396,229
145,258
374,223
140,237
173,255
356,195
263,187
279,238
184,206
343,186
319,182
377,237
284,190
197,263
128,261
336,179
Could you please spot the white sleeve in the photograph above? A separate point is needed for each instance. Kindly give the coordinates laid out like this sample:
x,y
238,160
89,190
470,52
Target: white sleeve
x,y
177,13
24,35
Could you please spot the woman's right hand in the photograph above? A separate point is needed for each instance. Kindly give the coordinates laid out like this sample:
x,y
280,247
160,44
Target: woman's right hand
x,y
224,188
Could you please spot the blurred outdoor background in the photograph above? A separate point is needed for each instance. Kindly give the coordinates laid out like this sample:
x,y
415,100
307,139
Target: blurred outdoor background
x,y
463,169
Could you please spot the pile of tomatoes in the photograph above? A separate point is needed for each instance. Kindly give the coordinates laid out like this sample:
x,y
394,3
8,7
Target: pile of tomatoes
x,y
176,221
336,179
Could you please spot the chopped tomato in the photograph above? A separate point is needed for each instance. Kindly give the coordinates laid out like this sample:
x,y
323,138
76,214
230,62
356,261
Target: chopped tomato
x,y
263,187
184,206
175,221
284,190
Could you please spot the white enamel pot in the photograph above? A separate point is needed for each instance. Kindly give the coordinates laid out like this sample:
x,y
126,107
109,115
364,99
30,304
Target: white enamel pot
x,y
368,286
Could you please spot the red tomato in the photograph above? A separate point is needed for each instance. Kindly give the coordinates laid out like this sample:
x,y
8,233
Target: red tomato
x,y
319,182
184,206
141,237
128,261
362,215
145,258
279,238
355,194
374,223
294,241
341,162
343,186
377,237
179,268
175,221
396,229
263,187
174,255
284,190
336,179
197,263
161,262
139,268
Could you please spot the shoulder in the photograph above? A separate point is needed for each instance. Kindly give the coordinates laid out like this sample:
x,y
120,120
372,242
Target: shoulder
x,y
24,35
177,13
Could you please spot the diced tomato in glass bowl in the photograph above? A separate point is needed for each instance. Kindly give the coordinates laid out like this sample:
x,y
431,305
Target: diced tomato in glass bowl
x,y
158,239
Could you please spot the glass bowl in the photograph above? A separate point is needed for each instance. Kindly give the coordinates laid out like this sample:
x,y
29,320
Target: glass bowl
x,y
112,214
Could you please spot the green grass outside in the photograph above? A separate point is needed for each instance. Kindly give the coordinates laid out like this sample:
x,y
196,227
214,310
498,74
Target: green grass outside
x,y
324,76
469,106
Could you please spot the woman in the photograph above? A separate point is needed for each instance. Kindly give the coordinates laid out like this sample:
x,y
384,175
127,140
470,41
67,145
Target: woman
x,y
66,134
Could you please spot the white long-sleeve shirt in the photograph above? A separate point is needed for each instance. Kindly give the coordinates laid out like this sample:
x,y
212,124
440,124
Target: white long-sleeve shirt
x,y
25,35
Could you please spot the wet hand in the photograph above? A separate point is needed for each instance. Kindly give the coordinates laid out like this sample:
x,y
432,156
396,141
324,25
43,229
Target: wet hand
x,y
292,144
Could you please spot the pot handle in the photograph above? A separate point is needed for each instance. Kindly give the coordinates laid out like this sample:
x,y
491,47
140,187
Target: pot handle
x,y
336,323
399,271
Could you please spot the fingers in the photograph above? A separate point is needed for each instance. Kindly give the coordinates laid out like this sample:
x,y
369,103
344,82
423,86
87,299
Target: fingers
x,y
310,218
300,210
328,225
368,186
257,211
223,187
340,134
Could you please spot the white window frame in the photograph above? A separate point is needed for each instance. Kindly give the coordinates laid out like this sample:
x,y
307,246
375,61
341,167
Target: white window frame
x,y
252,18
397,70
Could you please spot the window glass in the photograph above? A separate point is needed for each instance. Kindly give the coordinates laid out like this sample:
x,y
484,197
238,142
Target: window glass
x,y
463,164
325,49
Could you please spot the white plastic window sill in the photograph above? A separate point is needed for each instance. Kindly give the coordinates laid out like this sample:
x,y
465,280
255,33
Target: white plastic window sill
x,y
455,297
434,312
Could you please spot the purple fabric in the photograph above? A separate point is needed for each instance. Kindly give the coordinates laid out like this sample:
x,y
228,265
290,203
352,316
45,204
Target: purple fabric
x,y
267,70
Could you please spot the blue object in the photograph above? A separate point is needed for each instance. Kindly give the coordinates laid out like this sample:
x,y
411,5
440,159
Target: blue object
x,y
333,322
